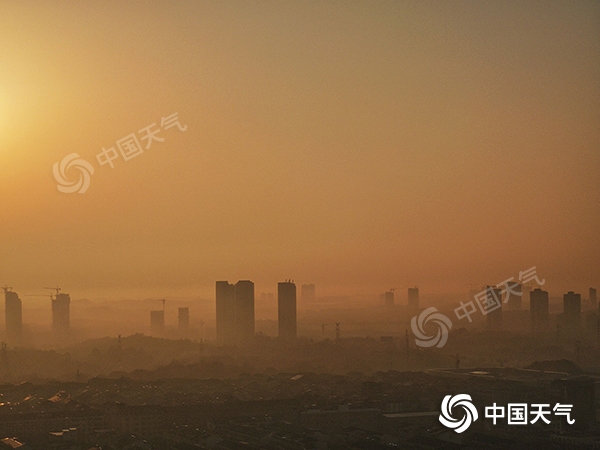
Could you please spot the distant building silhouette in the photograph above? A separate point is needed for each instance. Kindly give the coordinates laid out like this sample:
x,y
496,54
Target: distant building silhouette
x,y
244,312
592,325
539,310
494,316
593,299
225,295
183,315
413,298
13,309
526,291
513,296
267,298
235,312
308,293
387,298
157,321
286,307
572,312
61,312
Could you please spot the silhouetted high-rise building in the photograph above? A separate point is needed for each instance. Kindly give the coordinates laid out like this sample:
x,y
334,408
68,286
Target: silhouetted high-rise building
x,y
593,299
61,312
572,311
539,310
513,295
157,321
413,298
266,298
387,298
308,293
183,315
235,312
494,307
13,309
225,294
286,307
244,311
526,291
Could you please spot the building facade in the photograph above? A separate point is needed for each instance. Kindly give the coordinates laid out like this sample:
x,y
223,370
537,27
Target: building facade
x,y
235,312
13,309
61,313
539,310
413,298
286,310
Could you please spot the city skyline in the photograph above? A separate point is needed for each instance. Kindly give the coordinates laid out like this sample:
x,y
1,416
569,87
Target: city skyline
x,y
402,154
265,287
300,225
235,315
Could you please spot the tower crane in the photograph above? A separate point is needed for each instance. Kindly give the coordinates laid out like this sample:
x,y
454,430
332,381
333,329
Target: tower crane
x,y
57,289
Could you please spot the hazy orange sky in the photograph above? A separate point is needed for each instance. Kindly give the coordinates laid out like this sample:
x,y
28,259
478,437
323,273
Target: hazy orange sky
x,y
357,145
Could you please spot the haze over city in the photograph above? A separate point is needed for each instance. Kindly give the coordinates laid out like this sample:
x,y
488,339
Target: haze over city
x,y
333,225
358,147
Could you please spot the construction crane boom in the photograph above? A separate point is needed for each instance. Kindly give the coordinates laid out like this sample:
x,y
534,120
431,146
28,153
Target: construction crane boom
x,y
57,289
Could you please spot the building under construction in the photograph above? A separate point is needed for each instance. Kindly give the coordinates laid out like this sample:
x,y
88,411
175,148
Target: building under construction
x,y
157,321
61,312
184,318
13,309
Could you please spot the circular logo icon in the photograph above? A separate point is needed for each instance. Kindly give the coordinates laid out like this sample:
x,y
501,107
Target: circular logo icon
x,y
442,322
470,412
86,170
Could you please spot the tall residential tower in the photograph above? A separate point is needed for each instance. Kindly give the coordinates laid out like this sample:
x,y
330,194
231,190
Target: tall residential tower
x,y
286,307
572,312
539,310
13,309
235,312
308,293
61,312
413,298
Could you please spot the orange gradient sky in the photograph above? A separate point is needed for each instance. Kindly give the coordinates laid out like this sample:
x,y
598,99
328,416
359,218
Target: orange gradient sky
x,y
357,145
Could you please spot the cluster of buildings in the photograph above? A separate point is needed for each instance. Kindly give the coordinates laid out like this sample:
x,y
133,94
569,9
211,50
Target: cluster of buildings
x,y
13,309
157,320
235,317
235,310
388,298
570,322
296,411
